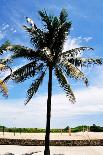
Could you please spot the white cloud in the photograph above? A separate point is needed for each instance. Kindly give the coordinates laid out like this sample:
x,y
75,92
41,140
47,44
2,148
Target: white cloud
x,y
87,39
89,101
71,43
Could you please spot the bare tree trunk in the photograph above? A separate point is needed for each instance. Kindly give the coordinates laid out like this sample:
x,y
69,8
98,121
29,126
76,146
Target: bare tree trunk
x,y
47,150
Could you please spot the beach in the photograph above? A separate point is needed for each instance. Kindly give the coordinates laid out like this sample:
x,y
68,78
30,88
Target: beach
x,y
54,136
55,150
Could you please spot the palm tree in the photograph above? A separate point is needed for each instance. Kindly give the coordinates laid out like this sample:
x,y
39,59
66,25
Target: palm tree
x,y
3,68
47,54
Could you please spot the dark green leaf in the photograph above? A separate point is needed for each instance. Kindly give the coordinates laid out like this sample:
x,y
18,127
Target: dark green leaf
x,y
64,84
63,16
34,86
72,71
26,71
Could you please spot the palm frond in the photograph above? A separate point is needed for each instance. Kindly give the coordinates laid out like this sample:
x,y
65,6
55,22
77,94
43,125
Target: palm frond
x,y
21,51
37,36
26,71
2,67
35,86
7,78
85,62
4,47
46,19
6,61
33,28
55,34
60,37
75,52
64,84
56,31
3,88
28,29
74,72
63,16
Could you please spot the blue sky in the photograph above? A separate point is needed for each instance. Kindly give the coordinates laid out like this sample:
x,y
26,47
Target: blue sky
x,y
87,25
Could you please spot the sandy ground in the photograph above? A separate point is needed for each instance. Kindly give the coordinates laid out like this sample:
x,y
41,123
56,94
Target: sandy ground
x,y
55,136
55,150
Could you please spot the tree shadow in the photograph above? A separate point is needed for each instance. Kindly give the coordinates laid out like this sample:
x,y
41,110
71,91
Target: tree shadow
x,y
58,154
9,153
31,153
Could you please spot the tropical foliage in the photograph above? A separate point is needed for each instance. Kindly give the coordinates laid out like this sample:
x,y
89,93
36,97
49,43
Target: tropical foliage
x,y
47,51
47,54
4,67
3,88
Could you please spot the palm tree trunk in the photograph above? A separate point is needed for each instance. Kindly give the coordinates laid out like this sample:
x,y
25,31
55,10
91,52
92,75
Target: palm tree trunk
x,y
47,150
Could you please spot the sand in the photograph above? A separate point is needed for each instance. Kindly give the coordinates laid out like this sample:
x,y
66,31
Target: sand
x,y
55,150
55,136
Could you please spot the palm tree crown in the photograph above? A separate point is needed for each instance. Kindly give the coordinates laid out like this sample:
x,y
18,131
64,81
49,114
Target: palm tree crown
x,y
48,51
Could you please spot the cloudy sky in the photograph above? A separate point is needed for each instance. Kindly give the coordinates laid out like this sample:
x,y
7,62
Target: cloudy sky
x,y
87,30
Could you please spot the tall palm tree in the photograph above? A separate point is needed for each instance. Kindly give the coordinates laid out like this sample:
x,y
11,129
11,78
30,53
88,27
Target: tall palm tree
x,y
47,54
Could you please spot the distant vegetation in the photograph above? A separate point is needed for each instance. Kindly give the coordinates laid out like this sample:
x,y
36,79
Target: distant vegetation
x,y
92,128
95,128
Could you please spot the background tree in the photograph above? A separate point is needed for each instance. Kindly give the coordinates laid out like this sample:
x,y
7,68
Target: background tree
x,y
47,54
